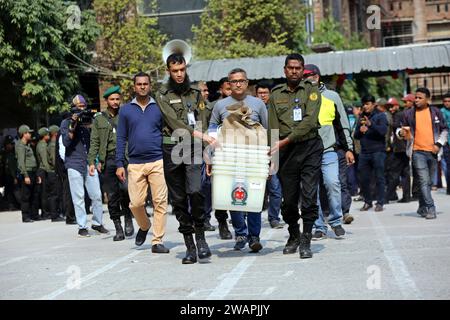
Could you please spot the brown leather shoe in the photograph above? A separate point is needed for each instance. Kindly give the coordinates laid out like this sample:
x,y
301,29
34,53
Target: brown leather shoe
x,y
378,208
366,207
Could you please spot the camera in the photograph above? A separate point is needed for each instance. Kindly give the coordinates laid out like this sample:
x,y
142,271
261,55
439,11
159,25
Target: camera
x,y
85,116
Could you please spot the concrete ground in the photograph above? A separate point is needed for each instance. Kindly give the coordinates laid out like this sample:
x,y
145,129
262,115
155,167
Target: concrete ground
x,y
394,254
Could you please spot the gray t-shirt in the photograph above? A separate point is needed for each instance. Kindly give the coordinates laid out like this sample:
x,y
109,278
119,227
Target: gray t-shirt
x,y
220,112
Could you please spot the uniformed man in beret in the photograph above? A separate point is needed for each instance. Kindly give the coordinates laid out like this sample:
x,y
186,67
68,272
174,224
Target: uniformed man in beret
x,y
102,158
293,110
43,167
27,167
183,108
53,184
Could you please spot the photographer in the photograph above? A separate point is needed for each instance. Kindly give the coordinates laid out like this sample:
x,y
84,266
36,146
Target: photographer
x,y
76,137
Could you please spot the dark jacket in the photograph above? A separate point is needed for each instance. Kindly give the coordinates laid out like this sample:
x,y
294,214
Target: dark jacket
x,y
440,130
397,145
374,140
77,148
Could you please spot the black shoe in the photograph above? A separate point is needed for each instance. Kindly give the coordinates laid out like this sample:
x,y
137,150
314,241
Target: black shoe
x,y
83,233
319,235
191,255
415,198
129,228
140,237
224,232
338,231
422,211
348,218
119,231
404,200
366,207
71,221
275,224
293,241
359,198
159,248
431,214
45,217
100,229
27,220
241,241
36,218
208,226
305,246
255,244
203,251
58,219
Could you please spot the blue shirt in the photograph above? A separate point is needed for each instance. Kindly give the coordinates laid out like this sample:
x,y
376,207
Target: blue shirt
x,y
142,129
76,148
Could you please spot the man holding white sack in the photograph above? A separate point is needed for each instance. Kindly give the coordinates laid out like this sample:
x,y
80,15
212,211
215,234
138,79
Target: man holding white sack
x,y
239,84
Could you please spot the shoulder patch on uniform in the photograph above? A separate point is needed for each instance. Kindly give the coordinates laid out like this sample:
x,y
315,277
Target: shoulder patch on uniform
x,y
313,96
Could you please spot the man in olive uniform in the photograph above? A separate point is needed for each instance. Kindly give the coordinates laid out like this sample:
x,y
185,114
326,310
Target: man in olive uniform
x,y
293,110
27,165
183,108
103,151
9,172
53,184
43,167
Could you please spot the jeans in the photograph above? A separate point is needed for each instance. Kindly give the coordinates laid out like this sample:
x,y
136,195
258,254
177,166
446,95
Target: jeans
x,y
240,227
425,164
77,182
368,163
330,176
447,162
275,196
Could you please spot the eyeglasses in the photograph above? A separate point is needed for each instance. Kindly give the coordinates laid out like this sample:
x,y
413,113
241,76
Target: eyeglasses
x,y
240,81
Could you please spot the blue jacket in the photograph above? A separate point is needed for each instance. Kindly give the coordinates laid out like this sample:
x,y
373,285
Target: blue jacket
x,y
446,113
374,140
440,130
76,148
143,132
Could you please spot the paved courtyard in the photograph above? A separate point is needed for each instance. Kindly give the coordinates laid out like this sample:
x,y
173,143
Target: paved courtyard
x,y
394,254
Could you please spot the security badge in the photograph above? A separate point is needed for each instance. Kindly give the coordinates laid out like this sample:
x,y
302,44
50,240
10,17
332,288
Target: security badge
x,y
297,111
313,96
191,115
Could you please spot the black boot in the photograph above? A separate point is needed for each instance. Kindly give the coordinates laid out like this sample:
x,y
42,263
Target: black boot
x,y
305,246
224,232
119,231
191,255
293,241
129,228
202,247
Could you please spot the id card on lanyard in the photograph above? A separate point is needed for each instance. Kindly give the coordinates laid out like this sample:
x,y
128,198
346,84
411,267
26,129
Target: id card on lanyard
x,y
191,115
297,111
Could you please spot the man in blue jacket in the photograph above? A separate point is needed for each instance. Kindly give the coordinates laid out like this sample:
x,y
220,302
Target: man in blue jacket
x,y
446,113
371,130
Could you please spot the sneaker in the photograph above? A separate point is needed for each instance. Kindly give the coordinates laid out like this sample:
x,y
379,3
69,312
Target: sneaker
x,y
83,233
348,218
27,220
338,231
275,224
366,207
359,198
71,221
378,208
240,242
254,244
100,229
319,235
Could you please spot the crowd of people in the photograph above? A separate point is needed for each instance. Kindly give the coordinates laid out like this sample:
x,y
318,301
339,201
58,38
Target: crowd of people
x,y
327,153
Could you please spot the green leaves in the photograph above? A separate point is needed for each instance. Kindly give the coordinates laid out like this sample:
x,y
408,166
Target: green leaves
x,y
234,29
33,50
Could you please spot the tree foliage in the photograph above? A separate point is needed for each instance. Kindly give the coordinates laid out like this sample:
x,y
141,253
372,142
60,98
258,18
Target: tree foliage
x,y
129,42
235,28
38,46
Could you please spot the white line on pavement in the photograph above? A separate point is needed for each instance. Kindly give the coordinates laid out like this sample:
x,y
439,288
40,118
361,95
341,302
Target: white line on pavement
x,y
26,234
92,275
398,267
13,260
231,279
